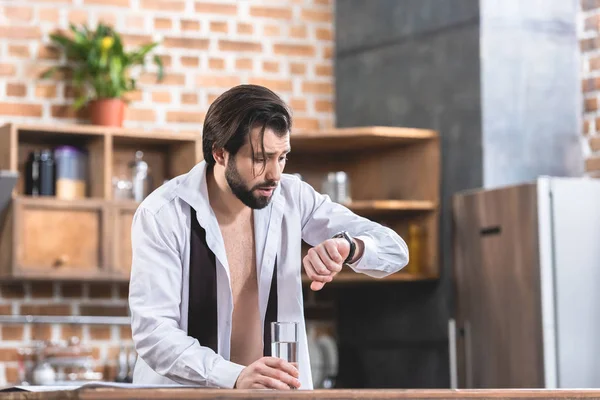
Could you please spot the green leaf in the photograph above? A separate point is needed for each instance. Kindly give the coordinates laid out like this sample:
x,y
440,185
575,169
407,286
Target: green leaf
x,y
161,71
80,102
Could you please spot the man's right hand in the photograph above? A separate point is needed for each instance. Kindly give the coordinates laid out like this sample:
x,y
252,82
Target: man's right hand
x,y
268,373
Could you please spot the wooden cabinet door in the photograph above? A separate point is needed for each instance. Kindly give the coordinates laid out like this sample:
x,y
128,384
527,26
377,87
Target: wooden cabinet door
x,y
59,239
498,289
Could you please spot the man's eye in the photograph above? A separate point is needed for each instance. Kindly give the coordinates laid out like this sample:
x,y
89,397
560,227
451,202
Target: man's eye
x,y
260,160
284,158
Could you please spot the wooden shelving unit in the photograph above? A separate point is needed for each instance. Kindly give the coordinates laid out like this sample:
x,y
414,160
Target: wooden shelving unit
x,y
394,176
394,180
84,239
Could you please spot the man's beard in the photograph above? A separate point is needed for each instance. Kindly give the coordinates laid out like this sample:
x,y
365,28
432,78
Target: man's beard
x,y
241,190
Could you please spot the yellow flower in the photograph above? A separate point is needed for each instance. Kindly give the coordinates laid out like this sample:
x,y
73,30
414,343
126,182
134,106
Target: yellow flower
x,y
107,43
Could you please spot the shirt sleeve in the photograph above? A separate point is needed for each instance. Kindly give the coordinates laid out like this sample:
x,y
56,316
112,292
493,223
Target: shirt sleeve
x,y
385,251
154,300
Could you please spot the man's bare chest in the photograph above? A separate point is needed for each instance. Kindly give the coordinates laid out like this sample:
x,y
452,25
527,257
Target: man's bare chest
x,y
241,257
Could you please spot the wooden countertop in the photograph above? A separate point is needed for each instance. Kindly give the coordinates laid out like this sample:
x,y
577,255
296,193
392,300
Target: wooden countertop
x,y
184,393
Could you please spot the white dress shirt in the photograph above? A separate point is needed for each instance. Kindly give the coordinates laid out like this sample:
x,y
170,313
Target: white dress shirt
x,y
158,295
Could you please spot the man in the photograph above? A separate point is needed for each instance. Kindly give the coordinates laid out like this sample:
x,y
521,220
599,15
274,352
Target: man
x,y
216,254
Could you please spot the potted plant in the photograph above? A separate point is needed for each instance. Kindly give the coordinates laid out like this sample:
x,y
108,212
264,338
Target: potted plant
x,y
99,67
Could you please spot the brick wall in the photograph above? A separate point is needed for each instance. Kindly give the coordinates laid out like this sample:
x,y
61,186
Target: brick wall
x,y
207,47
590,57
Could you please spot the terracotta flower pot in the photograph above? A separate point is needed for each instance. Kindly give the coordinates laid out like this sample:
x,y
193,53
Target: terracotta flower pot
x,y
107,112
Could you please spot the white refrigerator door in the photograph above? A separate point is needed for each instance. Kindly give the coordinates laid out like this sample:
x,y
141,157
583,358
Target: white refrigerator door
x,y
574,223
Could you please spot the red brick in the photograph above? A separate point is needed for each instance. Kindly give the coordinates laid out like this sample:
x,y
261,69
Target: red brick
x,y
216,63
166,60
6,309
591,104
42,290
12,375
271,12
13,332
136,40
189,98
163,5
100,290
216,8
224,81
276,85
161,97
78,17
243,63
324,34
298,31
590,4
595,142
163,23
316,15
68,331
67,111
108,19
9,354
323,106
592,164
298,104
95,310
298,69
45,91
117,3
45,309
218,26
186,43
41,332
239,46
327,52
294,50
190,25
100,332
7,69
306,123
135,22
586,127
17,50
317,87
126,332
50,14
270,66
212,97
190,61
272,30
16,90
48,53
12,290
18,13
20,109
245,29
140,114
169,79
322,2
323,70
196,117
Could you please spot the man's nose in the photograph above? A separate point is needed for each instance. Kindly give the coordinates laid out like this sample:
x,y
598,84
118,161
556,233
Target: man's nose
x,y
273,171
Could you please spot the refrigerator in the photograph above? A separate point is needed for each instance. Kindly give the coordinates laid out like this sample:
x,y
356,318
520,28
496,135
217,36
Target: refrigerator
x,y
526,279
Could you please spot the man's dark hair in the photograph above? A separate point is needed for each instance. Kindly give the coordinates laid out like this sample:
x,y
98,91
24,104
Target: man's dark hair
x,y
233,114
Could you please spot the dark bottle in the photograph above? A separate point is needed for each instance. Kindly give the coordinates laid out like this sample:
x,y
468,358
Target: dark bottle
x,y
32,174
47,174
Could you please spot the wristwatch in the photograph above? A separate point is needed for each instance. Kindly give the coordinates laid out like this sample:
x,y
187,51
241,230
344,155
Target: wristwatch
x,y
346,235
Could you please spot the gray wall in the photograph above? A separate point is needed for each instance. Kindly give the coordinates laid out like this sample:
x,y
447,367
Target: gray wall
x,y
425,64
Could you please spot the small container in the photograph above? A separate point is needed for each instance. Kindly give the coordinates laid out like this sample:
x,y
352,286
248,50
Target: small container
x,y
70,172
140,177
337,186
40,174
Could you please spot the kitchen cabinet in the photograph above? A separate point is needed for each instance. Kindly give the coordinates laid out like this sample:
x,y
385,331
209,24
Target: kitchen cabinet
x,y
526,277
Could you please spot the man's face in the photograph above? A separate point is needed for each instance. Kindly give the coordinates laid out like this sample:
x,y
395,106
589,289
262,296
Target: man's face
x,y
253,178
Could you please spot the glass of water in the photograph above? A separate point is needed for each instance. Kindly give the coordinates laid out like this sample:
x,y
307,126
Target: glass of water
x,y
284,341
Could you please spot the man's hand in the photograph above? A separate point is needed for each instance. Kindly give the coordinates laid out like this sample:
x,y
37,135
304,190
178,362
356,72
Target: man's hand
x,y
325,260
268,373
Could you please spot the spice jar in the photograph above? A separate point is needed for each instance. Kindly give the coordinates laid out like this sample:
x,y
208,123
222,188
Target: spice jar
x,y
70,172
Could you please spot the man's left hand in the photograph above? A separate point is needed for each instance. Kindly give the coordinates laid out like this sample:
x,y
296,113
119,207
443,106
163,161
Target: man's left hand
x,y
325,260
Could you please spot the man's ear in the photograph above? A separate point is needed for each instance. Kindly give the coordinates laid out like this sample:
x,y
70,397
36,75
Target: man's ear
x,y
219,156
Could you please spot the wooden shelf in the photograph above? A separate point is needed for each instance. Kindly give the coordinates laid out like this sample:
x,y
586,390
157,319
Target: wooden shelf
x,y
354,277
380,207
357,139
